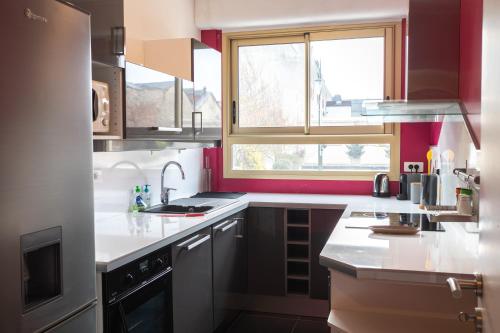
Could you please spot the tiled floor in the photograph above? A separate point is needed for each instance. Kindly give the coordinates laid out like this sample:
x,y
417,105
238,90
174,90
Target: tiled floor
x,y
251,322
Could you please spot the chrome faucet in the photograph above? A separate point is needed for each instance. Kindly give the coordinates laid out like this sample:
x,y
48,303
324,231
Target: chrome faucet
x,y
165,192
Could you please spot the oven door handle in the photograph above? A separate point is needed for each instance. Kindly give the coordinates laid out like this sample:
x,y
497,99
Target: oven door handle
x,y
142,286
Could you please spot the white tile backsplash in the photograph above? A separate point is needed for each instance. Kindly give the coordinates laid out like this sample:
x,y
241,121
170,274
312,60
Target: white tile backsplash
x,y
455,137
116,174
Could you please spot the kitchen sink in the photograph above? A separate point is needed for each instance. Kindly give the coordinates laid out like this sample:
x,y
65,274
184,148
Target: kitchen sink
x,y
176,209
190,205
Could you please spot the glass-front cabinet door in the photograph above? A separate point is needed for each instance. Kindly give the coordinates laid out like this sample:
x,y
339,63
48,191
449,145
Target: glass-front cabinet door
x,y
151,103
202,114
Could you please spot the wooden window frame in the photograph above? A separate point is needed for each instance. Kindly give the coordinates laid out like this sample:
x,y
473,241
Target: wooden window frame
x,y
371,134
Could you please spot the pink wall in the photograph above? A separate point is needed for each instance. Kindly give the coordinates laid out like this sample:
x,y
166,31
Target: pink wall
x,y
435,133
471,26
283,185
415,141
212,38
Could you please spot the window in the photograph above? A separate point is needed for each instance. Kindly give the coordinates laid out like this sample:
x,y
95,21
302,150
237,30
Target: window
x,y
345,70
293,101
311,157
271,85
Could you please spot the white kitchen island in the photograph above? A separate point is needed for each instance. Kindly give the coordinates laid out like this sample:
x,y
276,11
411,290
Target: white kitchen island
x,y
397,283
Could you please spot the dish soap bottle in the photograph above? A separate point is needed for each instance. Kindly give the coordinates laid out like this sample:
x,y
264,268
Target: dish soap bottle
x,y
147,195
138,204
133,206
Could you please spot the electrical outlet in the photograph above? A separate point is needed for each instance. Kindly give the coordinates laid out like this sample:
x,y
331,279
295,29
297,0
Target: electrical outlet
x,y
419,164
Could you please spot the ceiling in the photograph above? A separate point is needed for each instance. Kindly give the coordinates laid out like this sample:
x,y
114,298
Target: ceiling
x,y
241,14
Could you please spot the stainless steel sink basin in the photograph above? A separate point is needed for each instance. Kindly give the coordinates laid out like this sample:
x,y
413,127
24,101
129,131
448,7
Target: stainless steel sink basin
x,y
190,205
176,209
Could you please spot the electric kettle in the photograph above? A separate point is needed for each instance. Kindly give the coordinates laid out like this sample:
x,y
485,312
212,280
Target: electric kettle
x,y
381,185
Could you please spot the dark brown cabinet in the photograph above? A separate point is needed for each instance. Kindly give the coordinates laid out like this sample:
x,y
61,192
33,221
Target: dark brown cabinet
x,y
229,239
192,283
283,258
323,221
266,251
263,251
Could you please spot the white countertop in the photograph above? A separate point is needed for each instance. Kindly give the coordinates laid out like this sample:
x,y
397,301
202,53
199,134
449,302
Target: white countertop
x,y
123,237
427,257
351,203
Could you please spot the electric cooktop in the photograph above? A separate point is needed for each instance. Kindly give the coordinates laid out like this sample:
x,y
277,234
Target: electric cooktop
x,y
415,220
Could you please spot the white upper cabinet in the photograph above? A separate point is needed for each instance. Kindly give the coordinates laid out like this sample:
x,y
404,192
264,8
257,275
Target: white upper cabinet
x,y
127,30
158,35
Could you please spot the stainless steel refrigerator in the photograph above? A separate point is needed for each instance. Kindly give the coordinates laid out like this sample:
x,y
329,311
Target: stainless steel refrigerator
x,y
47,274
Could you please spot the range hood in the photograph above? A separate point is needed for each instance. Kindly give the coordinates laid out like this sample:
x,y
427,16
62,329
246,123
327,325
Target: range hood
x,y
414,110
433,67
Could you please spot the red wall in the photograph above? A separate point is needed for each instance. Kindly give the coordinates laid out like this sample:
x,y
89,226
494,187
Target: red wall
x,y
212,38
283,185
415,141
471,25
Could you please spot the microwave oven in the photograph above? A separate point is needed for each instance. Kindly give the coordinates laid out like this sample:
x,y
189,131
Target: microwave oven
x,y
100,107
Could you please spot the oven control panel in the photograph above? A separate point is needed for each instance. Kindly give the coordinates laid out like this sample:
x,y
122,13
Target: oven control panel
x,y
132,275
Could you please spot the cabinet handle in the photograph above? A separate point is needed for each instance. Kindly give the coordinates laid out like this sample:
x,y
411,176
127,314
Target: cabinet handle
x,y
220,226
193,121
229,226
195,244
118,40
179,102
226,225
166,129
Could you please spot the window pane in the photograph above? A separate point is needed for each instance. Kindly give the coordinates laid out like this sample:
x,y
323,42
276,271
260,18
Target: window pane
x,y
271,82
343,73
311,157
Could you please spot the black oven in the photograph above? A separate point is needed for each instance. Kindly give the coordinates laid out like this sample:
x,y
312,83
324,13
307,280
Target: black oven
x,y
138,297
